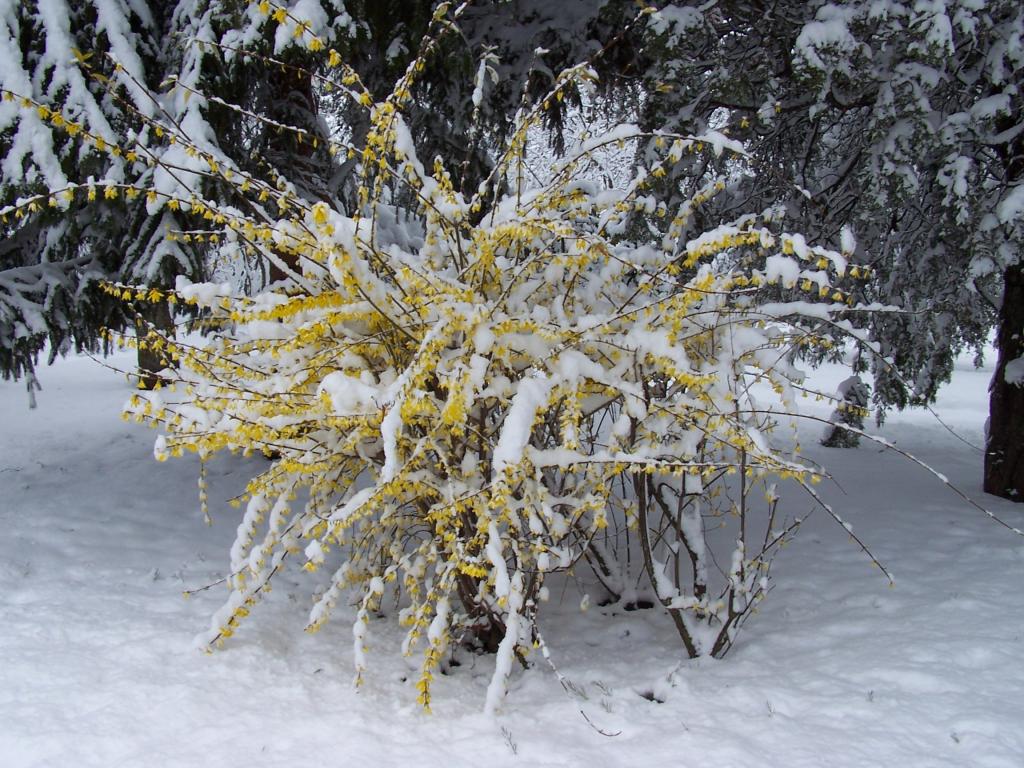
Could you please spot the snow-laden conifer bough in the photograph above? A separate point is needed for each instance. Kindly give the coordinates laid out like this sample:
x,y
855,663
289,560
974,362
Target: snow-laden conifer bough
x,y
466,394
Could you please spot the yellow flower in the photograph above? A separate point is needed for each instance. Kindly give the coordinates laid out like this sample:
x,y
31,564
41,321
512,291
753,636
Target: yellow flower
x,y
320,214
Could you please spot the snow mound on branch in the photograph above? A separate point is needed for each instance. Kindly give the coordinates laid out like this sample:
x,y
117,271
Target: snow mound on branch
x,y
1014,373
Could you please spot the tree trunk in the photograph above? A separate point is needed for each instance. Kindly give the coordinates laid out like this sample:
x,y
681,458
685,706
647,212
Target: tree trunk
x,y
294,104
1004,445
158,316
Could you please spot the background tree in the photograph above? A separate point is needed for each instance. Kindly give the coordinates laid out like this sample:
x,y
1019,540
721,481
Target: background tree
x,y
80,82
240,79
900,120
57,120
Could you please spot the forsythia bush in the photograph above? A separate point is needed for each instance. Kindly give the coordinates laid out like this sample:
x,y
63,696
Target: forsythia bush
x,y
464,394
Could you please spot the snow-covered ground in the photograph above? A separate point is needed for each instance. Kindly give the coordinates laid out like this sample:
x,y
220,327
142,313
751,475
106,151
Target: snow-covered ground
x,y
97,665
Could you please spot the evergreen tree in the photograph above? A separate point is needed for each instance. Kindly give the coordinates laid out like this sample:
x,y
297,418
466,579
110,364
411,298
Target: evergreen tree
x,y
82,81
242,82
900,120
76,77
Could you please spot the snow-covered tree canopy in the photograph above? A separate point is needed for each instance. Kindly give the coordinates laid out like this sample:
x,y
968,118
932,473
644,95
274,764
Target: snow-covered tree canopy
x,y
82,83
899,119
233,76
72,76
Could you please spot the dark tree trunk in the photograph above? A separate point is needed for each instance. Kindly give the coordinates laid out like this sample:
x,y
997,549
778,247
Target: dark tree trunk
x,y
153,316
1004,446
487,629
293,103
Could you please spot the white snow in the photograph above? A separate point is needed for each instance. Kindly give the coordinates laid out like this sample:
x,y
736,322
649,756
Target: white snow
x,y
531,395
1011,207
827,33
1014,371
781,268
847,241
97,666
350,394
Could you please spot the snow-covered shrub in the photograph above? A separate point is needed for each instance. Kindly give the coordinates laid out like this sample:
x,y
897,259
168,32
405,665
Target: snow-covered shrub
x,y
462,395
